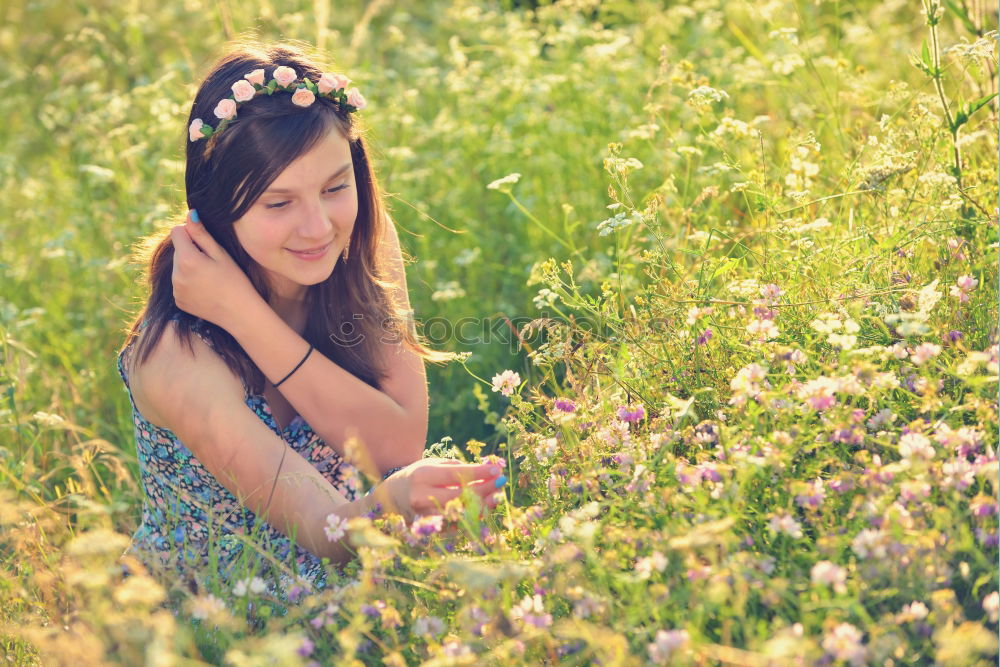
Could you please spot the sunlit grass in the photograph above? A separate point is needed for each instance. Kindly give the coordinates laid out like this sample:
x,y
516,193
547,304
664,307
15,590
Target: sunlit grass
x,y
746,276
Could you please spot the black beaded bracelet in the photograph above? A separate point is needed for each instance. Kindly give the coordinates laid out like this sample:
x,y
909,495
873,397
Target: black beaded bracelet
x,y
296,368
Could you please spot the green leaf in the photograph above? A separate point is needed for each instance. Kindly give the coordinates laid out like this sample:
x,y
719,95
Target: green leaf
x,y
207,130
962,16
925,56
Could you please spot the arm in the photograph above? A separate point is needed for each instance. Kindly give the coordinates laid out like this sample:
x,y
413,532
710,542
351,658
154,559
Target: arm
x,y
198,397
392,423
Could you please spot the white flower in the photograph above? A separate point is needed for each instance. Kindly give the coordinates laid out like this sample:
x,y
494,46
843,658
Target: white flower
x,y
506,382
206,606
706,95
503,184
869,543
335,528
664,644
991,605
915,445
255,586
915,611
844,643
786,524
827,573
924,352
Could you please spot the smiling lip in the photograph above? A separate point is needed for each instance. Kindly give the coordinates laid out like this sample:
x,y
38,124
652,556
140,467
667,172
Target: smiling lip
x,y
311,254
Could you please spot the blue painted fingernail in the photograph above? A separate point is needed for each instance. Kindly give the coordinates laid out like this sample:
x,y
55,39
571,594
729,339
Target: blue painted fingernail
x,y
194,216
501,480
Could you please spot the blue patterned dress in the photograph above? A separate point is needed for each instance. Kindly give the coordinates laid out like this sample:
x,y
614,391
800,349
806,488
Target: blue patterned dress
x,y
190,520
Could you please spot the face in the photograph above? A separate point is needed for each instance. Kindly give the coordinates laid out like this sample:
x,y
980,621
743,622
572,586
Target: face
x,y
311,205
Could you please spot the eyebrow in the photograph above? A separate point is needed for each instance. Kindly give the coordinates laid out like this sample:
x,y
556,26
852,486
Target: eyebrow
x,y
285,191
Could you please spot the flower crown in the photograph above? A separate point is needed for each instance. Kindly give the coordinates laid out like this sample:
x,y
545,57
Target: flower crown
x,y
284,79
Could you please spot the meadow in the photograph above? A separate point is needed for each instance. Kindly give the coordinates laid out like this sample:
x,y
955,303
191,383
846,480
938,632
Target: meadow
x,y
723,274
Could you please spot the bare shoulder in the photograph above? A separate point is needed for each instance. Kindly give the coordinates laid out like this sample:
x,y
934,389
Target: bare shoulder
x,y
175,379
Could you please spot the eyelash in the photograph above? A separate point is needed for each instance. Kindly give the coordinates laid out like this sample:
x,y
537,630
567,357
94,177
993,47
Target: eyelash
x,y
281,204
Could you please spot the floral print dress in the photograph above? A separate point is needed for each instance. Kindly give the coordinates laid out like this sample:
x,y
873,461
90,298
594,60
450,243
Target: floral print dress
x,y
191,521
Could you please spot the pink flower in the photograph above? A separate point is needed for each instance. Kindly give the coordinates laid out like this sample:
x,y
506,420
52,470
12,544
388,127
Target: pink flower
x,y
924,352
303,97
284,76
506,382
331,82
629,413
243,90
194,131
963,286
427,525
335,528
256,77
225,109
355,99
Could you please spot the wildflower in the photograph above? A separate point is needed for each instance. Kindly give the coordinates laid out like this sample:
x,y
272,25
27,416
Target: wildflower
x,y
503,184
915,611
784,523
914,490
829,574
813,496
306,649
565,405
869,543
531,611
456,649
924,352
915,445
706,95
881,418
506,382
255,586
546,449
963,286
645,566
958,473
818,393
982,505
619,220
664,644
763,330
844,643
206,606
704,337
631,413
335,528
431,626
545,298
427,525
991,605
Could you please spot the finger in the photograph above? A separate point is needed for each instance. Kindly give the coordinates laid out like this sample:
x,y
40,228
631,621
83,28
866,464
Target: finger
x,y
202,239
182,240
459,473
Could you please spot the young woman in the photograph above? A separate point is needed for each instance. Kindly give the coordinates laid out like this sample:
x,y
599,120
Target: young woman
x,y
289,274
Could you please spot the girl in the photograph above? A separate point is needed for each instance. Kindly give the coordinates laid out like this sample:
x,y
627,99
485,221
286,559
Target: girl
x,y
289,275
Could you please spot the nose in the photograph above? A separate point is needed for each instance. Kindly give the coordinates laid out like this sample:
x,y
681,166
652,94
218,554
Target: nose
x,y
316,224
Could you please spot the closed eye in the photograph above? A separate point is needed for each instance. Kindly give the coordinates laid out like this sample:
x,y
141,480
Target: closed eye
x,y
282,204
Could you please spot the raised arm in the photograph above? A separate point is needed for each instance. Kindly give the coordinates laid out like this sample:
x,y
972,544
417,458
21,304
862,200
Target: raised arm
x,y
195,395
392,422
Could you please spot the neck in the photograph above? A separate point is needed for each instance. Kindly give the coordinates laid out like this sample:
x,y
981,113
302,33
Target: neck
x,y
292,311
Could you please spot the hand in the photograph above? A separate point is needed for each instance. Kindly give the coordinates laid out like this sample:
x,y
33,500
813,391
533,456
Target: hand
x,y
207,282
423,487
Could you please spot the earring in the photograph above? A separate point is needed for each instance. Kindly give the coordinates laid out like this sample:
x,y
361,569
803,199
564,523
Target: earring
x,y
346,250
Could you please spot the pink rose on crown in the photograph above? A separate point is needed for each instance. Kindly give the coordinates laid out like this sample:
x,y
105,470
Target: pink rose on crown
x,y
256,76
331,82
356,99
303,97
194,131
285,76
243,90
225,109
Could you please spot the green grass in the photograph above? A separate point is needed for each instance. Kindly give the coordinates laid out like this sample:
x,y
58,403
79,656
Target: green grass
x,y
842,122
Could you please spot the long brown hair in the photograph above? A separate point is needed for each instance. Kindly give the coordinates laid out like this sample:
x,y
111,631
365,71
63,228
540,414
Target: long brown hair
x,y
349,312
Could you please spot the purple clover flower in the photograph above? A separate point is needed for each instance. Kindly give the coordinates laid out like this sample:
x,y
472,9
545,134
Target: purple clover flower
x,y
637,413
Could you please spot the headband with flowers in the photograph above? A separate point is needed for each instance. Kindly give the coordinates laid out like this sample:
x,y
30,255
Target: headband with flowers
x,y
304,93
